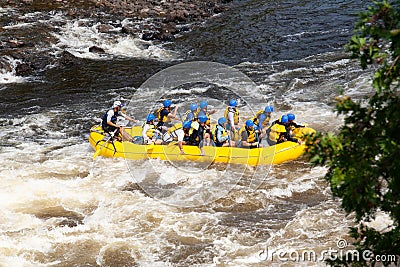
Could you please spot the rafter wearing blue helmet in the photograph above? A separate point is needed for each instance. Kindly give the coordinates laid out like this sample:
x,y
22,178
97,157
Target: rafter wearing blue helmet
x,y
249,136
263,117
283,135
198,132
165,115
232,116
291,123
205,112
192,113
150,134
220,135
177,133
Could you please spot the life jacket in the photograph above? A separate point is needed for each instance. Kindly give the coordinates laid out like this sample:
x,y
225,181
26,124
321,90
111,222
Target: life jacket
x,y
235,114
251,134
256,121
275,133
174,128
159,116
292,126
150,131
204,113
215,133
114,119
194,117
196,134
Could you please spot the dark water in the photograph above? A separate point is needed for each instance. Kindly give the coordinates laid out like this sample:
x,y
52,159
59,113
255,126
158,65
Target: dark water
x,y
268,31
252,31
56,202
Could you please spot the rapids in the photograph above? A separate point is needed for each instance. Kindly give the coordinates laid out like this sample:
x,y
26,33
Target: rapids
x,y
58,207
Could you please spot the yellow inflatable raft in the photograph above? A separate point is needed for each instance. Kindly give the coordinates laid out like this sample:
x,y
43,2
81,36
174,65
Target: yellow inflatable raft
x,y
257,156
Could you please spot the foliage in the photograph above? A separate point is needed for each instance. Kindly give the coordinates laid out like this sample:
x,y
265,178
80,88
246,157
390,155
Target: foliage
x,y
363,159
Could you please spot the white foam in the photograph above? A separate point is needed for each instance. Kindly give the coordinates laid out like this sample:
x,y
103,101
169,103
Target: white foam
x,y
77,38
19,25
11,76
5,10
31,15
301,34
382,222
303,183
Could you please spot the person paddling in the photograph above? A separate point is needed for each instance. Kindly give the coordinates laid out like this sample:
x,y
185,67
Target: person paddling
x,y
177,133
191,115
110,118
150,134
232,116
198,135
262,118
205,112
279,132
249,136
292,125
164,115
220,135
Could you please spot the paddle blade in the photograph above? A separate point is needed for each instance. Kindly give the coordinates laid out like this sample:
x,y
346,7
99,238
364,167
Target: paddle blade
x,y
96,153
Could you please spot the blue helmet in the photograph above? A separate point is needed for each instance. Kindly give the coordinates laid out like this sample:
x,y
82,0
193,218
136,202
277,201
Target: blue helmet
x,y
187,124
193,107
284,119
203,104
150,117
291,117
269,109
255,127
167,103
249,123
232,103
221,121
203,118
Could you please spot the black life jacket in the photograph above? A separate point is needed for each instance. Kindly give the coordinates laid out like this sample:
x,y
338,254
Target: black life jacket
x,y
114,119
160,116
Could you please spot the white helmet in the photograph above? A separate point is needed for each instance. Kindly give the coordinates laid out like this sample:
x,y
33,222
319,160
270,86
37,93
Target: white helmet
x,y
117,104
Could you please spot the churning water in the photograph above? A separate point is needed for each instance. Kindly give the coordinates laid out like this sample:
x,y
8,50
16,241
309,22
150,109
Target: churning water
x,y
58,207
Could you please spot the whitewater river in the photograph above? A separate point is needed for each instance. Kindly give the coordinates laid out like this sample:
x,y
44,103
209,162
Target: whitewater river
x,y
59,207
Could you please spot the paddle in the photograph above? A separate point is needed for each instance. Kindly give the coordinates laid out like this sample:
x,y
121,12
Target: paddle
x,y
258,141
99,149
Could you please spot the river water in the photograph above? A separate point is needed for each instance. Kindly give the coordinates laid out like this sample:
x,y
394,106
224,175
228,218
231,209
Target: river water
x,y
59,207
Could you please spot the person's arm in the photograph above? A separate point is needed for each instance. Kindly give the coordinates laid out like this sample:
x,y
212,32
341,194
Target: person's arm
x,y
291,139
172,115
131,119
212,111
297,125
127,117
